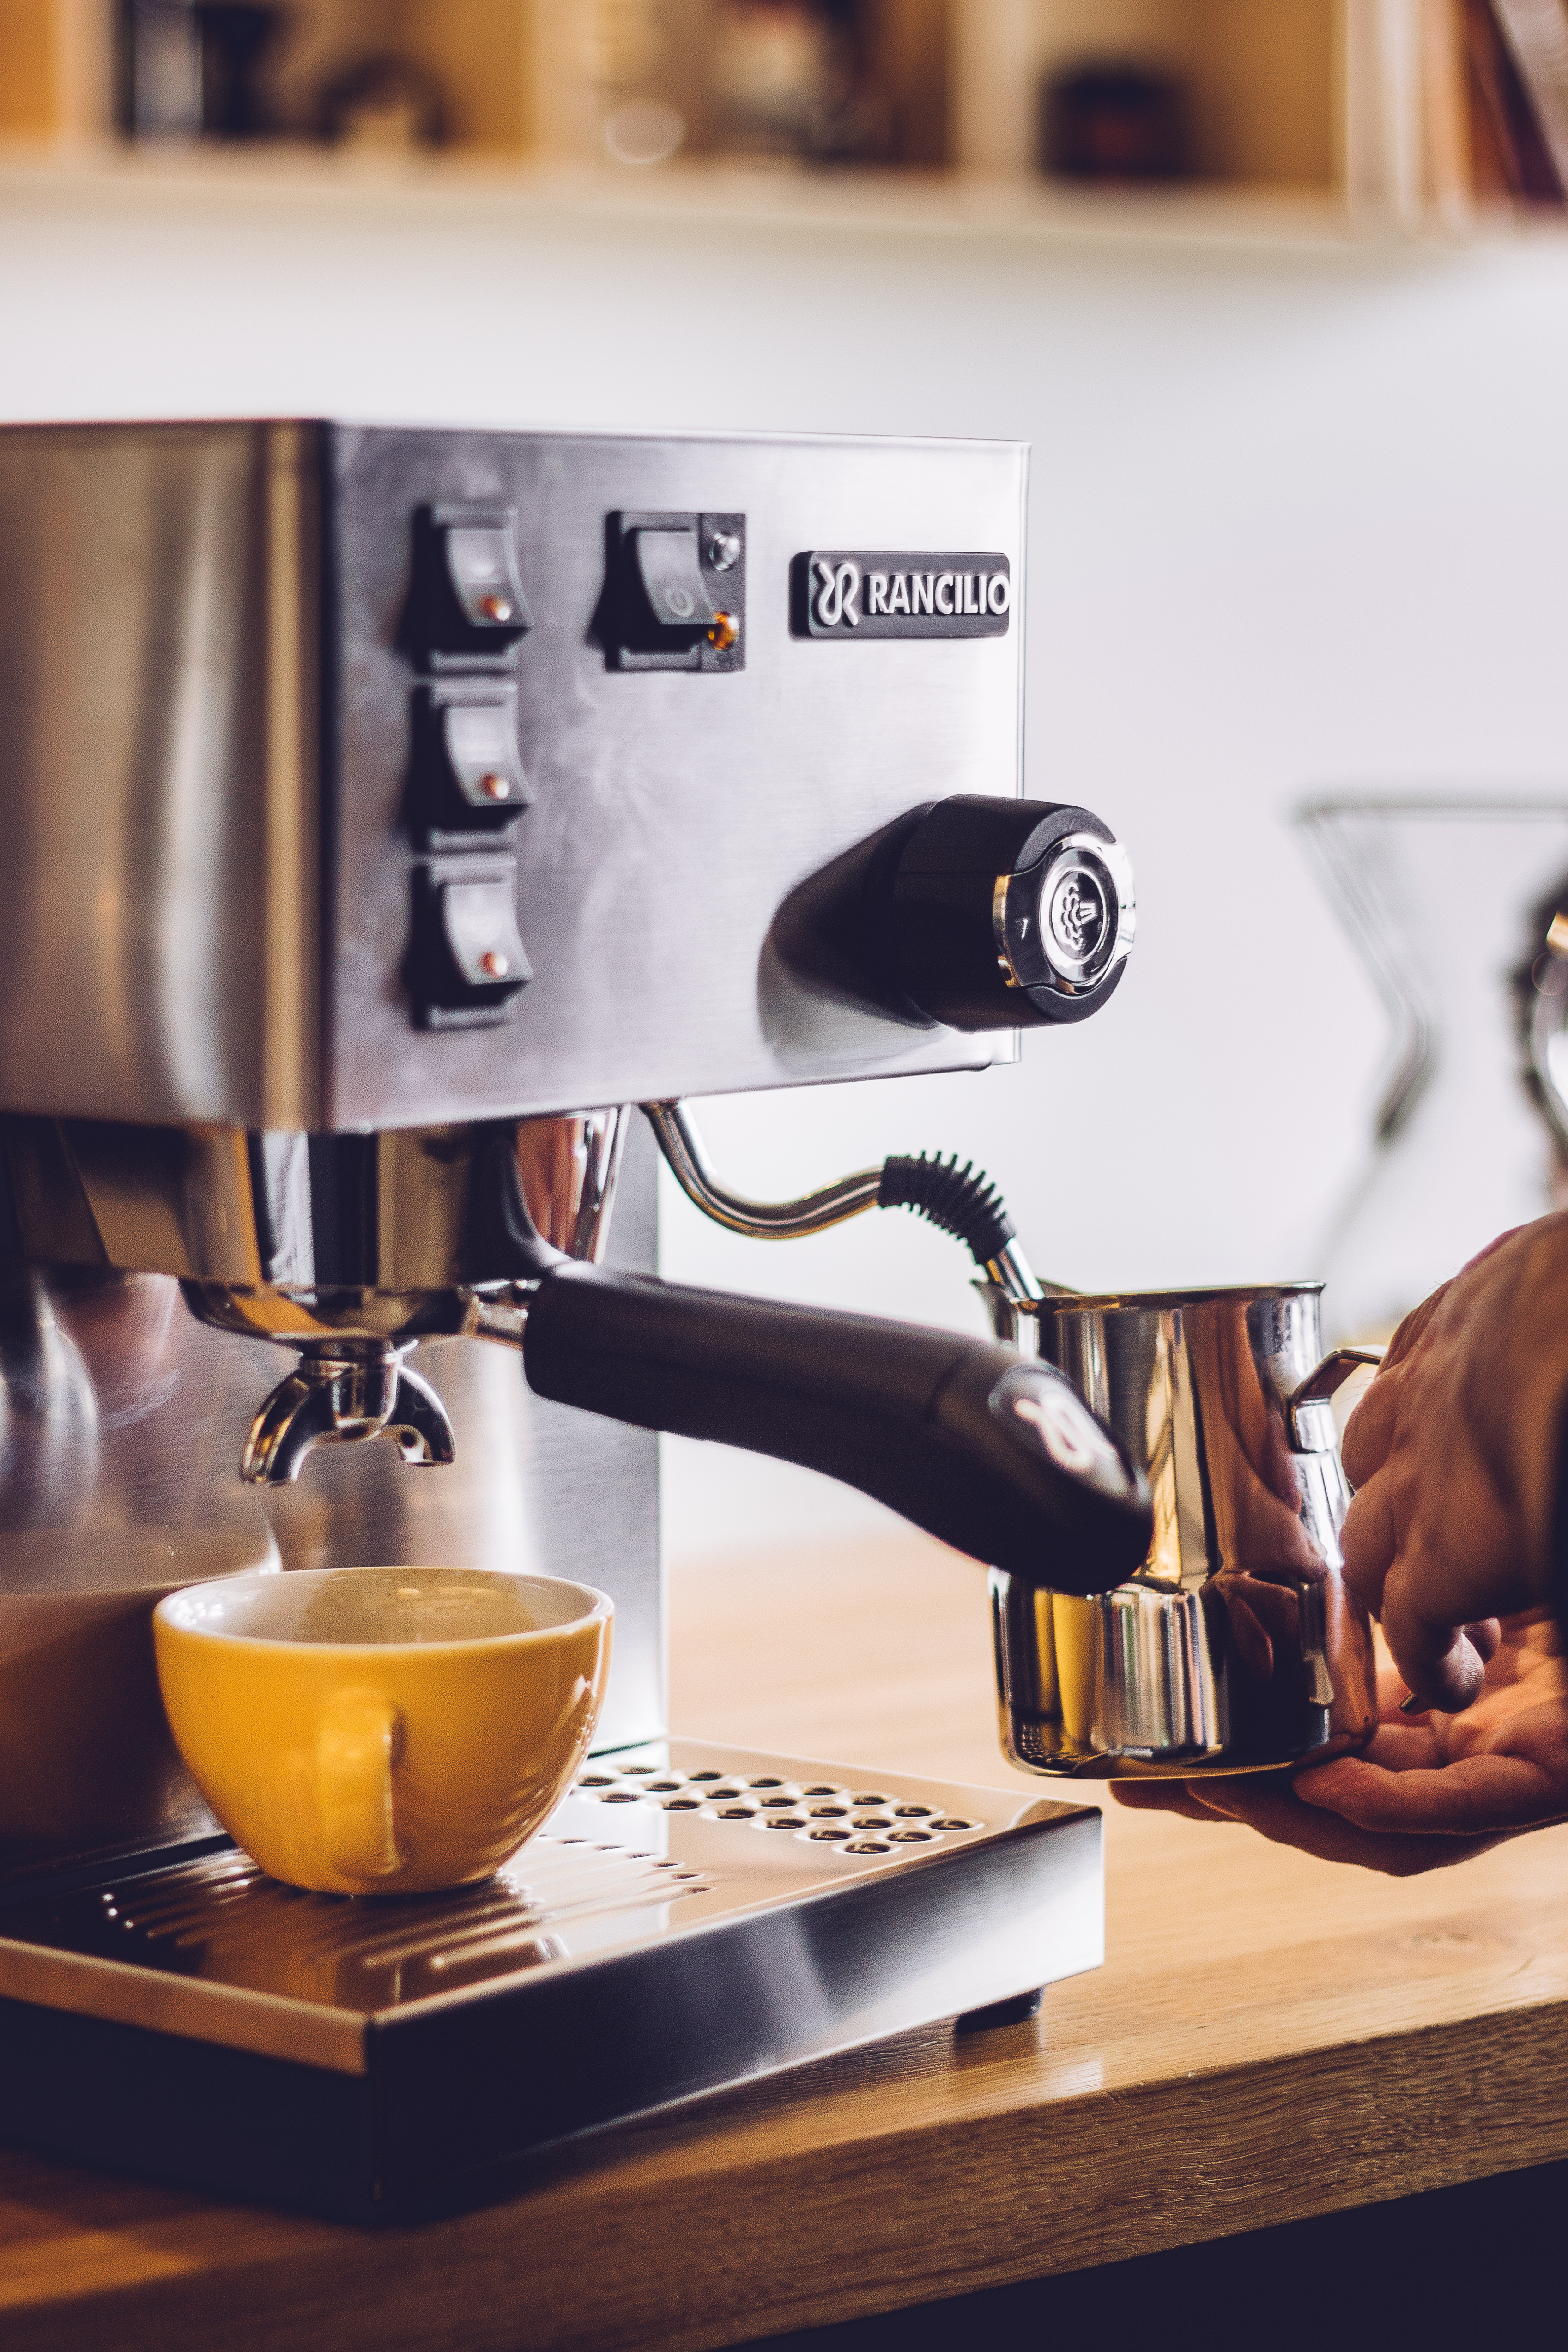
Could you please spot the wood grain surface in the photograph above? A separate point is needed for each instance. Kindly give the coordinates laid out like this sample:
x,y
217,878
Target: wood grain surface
x,y
1272,2036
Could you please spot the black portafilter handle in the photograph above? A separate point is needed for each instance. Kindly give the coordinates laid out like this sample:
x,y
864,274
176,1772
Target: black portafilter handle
x,y
994,1454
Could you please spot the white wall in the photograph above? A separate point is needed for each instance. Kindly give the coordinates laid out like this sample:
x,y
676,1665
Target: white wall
x,y
1300,522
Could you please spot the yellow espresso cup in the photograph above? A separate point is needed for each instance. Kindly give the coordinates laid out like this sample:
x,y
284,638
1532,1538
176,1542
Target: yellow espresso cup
x,y
382,1730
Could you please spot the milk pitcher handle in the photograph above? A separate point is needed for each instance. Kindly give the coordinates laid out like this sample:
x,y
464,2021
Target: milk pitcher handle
x,y
355,1750
1310,1420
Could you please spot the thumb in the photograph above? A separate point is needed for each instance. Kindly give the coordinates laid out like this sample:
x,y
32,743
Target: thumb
x,y
1441,1664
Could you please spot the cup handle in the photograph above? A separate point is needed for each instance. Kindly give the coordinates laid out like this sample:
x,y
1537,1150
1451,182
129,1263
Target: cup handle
x,y
1313,1431
355,1750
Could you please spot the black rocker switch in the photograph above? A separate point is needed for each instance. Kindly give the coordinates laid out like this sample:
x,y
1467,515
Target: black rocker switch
x,y
676,596
468,961
468,780
468,609
673,581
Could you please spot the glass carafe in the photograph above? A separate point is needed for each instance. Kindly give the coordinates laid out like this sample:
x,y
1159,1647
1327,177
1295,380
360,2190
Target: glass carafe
x,y
1452,905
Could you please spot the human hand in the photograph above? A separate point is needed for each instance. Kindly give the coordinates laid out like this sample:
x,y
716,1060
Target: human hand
x,y
1453,1454
1500,1764
1426,1792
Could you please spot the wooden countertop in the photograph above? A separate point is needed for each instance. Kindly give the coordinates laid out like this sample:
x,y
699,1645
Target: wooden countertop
x,y
1272,2036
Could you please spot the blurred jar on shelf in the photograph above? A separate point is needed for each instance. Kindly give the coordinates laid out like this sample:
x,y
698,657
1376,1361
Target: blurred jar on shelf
x,y
632,57
799,79
381,104
1115,120
195,68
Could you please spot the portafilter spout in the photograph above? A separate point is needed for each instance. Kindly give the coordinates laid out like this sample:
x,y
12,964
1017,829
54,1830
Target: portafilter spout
x,y
343,1394
351,1382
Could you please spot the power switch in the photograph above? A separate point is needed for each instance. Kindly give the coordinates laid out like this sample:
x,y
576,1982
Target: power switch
x,y
468,961
675,591
673,581
468,778
468,610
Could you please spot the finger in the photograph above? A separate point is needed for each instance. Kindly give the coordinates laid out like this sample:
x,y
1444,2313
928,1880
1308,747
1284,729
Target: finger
x,y
1369,1431
1276,1812
1368,1542
1478,1795
1485,1637
1409,1331
1440,1663
1161,1797
1405,1745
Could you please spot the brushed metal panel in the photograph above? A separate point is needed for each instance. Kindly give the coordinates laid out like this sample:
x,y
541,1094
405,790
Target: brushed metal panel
x,y
158,771
673,812
166,815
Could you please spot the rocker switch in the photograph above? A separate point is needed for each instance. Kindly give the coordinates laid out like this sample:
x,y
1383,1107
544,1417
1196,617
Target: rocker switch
x,y
469,962
483,563
468,785
675,591
672,576
468,610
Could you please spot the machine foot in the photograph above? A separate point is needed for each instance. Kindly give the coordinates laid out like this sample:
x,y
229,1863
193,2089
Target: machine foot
x,y
1017,2011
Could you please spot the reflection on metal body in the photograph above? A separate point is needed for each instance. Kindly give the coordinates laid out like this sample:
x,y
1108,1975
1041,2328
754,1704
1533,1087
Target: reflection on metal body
x,y
349,1248
1237,1644
160,635
415,1209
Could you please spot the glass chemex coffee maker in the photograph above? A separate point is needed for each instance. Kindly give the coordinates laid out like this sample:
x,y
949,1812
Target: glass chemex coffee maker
x,y
390,814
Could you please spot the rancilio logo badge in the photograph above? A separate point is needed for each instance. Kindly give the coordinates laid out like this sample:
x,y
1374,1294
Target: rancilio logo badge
x,y
853,593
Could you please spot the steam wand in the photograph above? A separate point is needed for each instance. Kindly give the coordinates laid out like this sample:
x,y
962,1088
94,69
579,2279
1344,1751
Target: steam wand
x,y
962,1202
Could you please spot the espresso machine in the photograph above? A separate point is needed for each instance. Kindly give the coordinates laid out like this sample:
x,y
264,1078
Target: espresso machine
x,y
392,814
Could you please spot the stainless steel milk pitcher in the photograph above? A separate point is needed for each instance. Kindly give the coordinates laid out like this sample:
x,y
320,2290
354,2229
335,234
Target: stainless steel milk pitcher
x,y
1236,1645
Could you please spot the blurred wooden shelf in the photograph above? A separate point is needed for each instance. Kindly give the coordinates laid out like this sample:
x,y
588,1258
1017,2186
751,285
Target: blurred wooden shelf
x,y
1272,2037
722,201
1310,123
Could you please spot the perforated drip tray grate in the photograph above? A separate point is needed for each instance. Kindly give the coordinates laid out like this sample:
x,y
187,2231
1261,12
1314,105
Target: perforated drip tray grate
x,y
691,1917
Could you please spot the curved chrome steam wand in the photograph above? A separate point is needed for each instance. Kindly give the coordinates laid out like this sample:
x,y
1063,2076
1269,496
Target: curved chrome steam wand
x,y
1007,1285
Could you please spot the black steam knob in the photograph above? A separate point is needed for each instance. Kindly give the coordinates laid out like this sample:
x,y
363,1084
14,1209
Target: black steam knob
x,y
1002,914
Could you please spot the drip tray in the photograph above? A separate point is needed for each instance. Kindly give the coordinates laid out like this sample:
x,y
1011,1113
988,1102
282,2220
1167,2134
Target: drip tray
x,y
691,1917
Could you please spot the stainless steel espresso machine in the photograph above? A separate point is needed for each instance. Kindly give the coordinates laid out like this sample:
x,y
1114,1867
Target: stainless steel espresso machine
x,y
388,814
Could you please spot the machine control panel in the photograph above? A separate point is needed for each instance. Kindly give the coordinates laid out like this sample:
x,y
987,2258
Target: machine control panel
x,y
675,595
427,733
674,599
